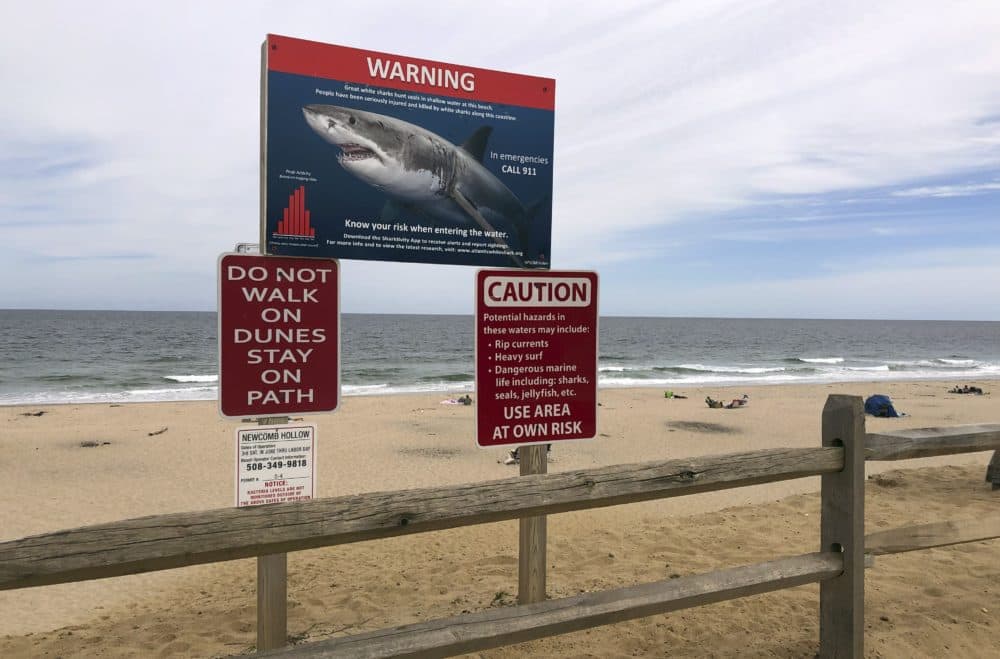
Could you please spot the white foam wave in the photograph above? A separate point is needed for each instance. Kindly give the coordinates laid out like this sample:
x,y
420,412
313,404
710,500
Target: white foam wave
x,y
361,389
131,396
909,362
882,368
423,388
750,370
822,360
958,362
192,378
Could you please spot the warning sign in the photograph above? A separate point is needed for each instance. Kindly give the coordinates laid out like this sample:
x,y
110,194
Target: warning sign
x,y
536,356
275,464
279,338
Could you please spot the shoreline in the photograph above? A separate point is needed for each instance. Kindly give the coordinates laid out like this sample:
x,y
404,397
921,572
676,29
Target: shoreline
x,y
469,388
397,442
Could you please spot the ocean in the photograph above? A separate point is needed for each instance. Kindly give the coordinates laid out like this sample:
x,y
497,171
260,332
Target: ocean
x,y
133,356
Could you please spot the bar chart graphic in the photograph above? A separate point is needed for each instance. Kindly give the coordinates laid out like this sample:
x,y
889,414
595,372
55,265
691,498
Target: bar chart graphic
x,y
295,221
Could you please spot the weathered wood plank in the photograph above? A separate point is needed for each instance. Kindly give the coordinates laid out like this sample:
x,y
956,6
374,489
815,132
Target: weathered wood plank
x,y
532,534
497,627
272,587
176,540
993,471
272,601
928,442
842,528
938,534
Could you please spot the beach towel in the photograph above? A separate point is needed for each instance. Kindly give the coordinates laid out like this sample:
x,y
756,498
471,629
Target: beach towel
x,y
880,405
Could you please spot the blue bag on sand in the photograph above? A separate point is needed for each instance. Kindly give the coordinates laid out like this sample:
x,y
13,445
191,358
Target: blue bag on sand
x,y
880,405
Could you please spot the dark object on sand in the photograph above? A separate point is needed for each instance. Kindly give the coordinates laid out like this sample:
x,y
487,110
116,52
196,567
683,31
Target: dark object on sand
x,y
38,413
670,394
734,403
514,457
738,402
92,444
966,390
465,400
702,427
880,405
157,432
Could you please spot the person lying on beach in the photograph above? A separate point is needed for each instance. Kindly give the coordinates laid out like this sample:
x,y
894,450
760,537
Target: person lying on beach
x,y
463,400
736,402
739,402
966,390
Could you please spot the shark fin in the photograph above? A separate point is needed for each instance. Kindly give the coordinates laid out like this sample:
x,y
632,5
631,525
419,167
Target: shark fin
x,y
522,226
474,213
476,144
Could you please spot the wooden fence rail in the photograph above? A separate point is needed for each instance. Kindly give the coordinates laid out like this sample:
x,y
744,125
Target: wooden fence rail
x,y
176,540
929,442
516,624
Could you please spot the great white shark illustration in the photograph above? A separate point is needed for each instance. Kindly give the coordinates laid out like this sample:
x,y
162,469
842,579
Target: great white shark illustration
x,y
421,171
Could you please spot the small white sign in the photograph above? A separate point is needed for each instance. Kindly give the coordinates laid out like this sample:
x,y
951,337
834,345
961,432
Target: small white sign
x,y
275,464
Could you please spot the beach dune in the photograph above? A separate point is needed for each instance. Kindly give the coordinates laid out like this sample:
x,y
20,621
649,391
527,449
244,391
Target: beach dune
x,y
74,465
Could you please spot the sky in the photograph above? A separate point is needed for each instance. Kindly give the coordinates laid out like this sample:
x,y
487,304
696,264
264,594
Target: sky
x,y
712,158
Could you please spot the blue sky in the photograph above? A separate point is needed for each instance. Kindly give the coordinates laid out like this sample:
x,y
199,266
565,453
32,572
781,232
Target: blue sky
x,y
760,159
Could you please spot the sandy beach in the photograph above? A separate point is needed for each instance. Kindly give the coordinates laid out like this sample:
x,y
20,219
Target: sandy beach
x,y
74,465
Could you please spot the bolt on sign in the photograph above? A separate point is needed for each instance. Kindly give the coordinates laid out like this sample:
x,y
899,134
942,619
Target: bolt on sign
x,y
279,335
536,356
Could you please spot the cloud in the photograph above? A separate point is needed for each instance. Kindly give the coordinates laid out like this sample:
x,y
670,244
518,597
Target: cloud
x,y
957,190
897,287
135,127
122,256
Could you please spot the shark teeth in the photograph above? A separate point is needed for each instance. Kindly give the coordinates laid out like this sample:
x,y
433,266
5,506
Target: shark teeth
x,y
355,152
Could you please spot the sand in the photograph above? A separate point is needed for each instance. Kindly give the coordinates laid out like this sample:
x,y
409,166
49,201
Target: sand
x,y
931,603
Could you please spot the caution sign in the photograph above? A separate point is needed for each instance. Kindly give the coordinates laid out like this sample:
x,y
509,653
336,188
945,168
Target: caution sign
x,y
536,356
279,335
275,464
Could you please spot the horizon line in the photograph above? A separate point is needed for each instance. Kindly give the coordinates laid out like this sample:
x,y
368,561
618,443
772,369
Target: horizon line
x,y
603,315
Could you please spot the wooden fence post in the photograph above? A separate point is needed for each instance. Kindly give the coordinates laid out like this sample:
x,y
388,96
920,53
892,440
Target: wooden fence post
x,y
272,587
842,528
533,534
272,601
993,471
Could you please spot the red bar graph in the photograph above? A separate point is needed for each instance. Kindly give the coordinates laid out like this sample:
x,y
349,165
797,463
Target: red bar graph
x,y
295,218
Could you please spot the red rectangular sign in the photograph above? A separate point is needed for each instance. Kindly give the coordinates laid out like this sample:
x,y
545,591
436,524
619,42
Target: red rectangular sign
x,y
369,67
536,356
279,335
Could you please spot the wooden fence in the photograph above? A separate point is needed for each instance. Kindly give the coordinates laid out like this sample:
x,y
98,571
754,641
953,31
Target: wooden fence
x,y
175,540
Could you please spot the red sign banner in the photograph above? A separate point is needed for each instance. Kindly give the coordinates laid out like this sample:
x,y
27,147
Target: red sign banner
x,y
368,67
536,356
279,335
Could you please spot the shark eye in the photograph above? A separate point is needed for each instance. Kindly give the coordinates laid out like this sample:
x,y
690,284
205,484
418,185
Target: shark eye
x,y
351,120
